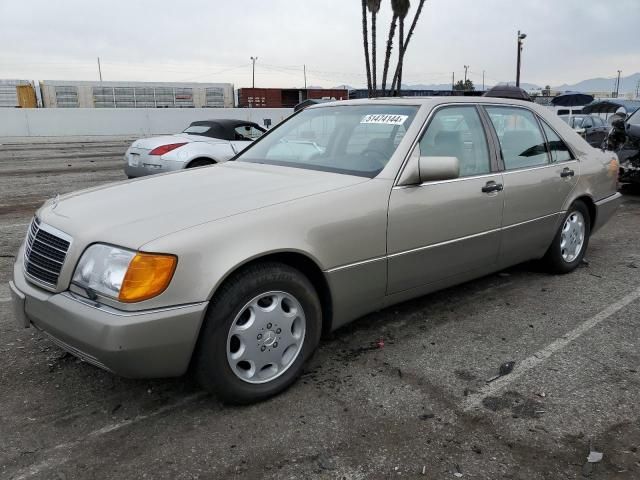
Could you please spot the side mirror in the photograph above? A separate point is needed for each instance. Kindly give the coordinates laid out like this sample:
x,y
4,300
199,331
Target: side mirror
x,y
438,168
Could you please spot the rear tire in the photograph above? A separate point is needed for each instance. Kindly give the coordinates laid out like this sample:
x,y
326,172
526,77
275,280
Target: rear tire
x,y
238,355
570,243
200,162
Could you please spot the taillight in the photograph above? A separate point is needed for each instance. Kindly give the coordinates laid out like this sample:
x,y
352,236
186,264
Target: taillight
x,y
162,149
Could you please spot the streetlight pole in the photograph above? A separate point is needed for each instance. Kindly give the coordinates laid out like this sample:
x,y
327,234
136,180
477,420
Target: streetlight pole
x,y
253,70
521,37
466,67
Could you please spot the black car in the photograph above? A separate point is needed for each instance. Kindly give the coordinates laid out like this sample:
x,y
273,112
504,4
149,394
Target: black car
x,y
624,139
595,128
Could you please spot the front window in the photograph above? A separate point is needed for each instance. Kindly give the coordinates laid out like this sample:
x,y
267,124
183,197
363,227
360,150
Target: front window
x,y
458,132
353,139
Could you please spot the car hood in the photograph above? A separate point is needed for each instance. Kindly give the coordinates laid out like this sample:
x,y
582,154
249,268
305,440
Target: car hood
x,y
132,213
153,142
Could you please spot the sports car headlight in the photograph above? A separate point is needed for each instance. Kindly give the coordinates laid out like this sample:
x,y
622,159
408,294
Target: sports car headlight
x,y
123,274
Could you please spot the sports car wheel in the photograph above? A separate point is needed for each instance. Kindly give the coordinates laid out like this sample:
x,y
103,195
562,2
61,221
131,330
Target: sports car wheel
x,y
260,328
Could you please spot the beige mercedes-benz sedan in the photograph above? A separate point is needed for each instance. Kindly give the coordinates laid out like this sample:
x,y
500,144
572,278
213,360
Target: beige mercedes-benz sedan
x,y
235,270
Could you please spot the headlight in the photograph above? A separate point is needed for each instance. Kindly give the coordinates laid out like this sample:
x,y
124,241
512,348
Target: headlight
x,y
123,274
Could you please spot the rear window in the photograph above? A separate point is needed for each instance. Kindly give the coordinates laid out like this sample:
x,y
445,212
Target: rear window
x,y
196,129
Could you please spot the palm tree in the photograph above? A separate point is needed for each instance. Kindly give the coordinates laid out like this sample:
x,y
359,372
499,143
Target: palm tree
x,y
406,43
374,8
387,56
365,39
400,10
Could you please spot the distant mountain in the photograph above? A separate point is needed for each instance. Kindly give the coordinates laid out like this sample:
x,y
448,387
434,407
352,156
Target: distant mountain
x,y
627,85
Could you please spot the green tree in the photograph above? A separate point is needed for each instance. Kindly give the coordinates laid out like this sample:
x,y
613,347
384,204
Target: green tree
x,y
467,86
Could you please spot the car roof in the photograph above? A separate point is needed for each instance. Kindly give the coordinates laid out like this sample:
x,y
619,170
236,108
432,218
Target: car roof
x,y
223,129
419,101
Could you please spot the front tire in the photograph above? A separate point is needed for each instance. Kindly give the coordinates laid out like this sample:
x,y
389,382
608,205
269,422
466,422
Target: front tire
x,y
570,243
260,328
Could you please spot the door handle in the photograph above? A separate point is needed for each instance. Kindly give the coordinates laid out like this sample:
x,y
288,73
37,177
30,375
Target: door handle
x,y
492,187
567,172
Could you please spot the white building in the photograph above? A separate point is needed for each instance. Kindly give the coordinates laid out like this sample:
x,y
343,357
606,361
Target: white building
x,y
93,94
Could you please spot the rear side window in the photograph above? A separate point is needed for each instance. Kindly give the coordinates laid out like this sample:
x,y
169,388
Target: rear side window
x,y
458,132
557,148
521,140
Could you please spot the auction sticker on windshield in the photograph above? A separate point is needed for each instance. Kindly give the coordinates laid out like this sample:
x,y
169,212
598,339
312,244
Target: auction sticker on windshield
x,y
386,119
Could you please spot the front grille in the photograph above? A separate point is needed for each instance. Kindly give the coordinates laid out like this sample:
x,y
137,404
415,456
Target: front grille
x,y
44,253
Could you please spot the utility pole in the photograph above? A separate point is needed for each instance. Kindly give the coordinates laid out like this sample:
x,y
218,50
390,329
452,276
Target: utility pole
x,y
483,80
521,37
618,84
453,81
638,90
99,69
304,69
253,70
466,67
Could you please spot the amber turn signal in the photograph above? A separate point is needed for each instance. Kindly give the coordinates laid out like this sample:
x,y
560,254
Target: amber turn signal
x,y
148,275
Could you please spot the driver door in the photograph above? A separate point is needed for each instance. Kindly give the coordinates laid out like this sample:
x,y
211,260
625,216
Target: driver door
x,y
443,229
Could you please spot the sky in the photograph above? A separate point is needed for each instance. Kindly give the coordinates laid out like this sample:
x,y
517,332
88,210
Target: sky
x,y
212,41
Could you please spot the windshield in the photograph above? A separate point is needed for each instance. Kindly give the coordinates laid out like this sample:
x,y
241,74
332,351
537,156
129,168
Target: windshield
x,y
350,139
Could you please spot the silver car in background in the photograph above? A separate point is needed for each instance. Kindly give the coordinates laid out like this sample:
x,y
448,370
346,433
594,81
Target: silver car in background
x,y
343,209
204,142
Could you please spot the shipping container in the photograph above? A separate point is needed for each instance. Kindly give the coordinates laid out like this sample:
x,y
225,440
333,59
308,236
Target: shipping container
x,y
17,94
285,97
84,94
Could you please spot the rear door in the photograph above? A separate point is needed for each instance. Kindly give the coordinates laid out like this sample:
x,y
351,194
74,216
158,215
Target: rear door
x,y
446,228
538,177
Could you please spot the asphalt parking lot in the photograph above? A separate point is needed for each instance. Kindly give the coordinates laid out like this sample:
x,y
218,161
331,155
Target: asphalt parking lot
x,y
399,393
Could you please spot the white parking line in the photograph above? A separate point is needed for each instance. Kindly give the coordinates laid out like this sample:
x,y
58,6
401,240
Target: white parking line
x,y
474,400
60,453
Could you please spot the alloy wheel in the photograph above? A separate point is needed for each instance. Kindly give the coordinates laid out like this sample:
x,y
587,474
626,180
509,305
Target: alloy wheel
x,y
266,337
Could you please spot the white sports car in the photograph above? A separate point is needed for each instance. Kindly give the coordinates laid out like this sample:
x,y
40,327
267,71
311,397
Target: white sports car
x,y
202,143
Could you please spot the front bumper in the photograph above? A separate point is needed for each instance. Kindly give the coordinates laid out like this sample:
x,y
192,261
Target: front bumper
x,y
605,209
144,344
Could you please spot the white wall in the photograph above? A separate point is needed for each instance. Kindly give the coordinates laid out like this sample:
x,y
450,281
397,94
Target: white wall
x,y
54,122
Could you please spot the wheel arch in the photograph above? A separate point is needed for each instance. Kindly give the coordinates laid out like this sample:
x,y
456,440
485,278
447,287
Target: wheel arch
x,y
300,261
591,207
201,157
